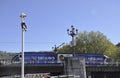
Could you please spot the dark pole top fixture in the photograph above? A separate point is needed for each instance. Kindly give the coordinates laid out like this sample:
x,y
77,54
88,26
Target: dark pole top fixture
x,y
23,25
72,32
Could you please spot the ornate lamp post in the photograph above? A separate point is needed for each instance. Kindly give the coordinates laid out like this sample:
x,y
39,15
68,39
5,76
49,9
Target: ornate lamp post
x,y
73,32
24,27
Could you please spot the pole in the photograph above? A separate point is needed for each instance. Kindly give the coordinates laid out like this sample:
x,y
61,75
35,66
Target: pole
x,y
73,45
24,27
22,70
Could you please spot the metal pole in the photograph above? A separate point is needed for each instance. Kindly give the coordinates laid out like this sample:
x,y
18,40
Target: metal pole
x,y
24,27
73,45
22,70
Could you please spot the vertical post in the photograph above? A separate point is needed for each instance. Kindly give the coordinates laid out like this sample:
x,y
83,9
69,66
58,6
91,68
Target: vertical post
x,y
73,45
24,27
22,71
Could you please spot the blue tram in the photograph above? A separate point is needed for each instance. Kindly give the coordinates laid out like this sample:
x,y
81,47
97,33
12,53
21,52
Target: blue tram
x,y
93,59
37,58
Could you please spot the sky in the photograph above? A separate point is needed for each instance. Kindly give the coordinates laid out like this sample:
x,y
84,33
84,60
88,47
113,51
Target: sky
x,y
48,20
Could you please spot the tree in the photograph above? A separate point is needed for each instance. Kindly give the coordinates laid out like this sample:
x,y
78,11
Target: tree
x,y
6,55
65,49
117,53
91,42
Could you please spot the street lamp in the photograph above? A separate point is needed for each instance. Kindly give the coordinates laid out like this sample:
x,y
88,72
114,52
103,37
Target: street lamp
x,y
24,27
73,32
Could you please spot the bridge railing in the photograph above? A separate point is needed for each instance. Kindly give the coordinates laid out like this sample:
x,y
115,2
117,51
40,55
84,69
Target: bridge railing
x,y
8,61
113,63
5,61
105,64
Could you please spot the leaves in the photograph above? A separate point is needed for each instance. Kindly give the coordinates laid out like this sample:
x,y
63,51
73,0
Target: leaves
x,y
6,55
91,42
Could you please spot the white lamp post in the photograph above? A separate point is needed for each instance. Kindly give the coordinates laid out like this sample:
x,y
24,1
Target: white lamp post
x,y
24,27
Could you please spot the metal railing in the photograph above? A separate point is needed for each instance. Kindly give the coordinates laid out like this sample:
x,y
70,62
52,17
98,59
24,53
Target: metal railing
x,y
113,63
5,61
36,75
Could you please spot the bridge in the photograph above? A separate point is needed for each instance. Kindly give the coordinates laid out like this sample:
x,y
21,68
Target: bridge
x,y
15,69
110,70
106,71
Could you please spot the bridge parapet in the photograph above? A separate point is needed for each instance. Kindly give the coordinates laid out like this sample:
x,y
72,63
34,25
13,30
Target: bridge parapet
x,y
8,61
5,61
102,68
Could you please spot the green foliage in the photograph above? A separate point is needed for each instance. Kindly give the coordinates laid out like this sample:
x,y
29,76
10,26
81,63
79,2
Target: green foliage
x,y
91,42
6,55
117,52
65,49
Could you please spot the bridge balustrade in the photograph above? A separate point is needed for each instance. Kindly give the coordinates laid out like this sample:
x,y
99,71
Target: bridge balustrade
x,y
5,61
8,61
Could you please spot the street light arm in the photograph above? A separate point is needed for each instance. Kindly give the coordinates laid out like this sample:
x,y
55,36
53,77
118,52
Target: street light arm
x,y
60,45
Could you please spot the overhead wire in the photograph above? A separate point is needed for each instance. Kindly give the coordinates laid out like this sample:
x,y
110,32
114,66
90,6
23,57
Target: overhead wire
x,y
29,42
